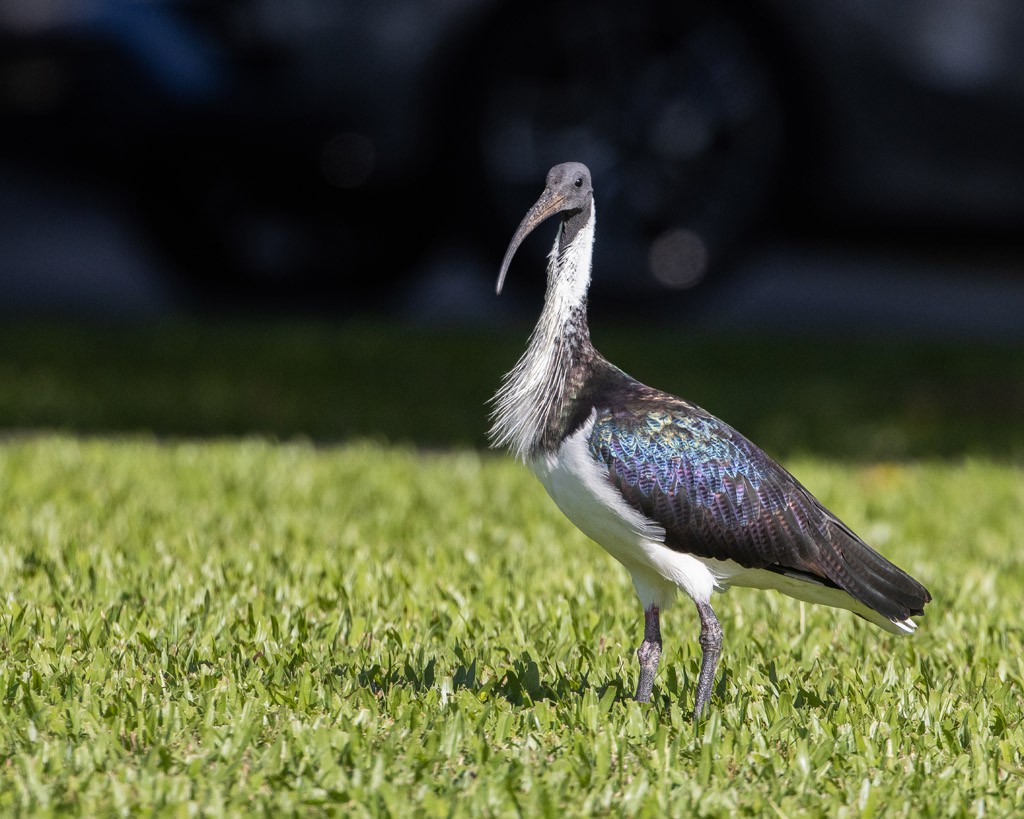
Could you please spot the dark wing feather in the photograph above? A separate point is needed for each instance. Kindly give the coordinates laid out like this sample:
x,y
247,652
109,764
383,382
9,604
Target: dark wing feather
x,y
717,495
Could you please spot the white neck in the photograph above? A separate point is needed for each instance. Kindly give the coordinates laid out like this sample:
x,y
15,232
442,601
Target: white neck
x,y
535,386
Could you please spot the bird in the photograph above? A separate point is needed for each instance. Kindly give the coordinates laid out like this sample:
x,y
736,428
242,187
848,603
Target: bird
x,y
677,496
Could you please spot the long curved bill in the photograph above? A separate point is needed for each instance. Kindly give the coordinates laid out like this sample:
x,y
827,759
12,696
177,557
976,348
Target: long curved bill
x,y
548,204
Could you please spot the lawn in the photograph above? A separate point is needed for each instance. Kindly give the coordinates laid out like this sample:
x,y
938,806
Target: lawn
x,y
211,621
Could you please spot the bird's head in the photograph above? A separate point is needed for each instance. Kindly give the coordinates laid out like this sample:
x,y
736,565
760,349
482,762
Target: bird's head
x,y
568,190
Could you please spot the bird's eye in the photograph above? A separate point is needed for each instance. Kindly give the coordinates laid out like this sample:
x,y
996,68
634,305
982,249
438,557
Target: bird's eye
x,y
579,182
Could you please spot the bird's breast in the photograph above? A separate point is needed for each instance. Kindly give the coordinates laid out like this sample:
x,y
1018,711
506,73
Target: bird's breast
x,y
579,486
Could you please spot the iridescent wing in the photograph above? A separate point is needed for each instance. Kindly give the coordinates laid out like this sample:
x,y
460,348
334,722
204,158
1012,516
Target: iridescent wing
x,y
717,495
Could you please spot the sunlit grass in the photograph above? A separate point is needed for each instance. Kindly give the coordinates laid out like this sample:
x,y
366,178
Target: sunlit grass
x,y
242,626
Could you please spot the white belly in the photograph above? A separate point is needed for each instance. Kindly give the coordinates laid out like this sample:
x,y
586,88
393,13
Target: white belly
x,y
580,487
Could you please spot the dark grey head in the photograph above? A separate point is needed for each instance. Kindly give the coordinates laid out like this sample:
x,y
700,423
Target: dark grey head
x,y
567,190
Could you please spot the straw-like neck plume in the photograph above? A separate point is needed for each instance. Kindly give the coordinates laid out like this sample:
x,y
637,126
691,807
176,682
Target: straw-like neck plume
x,y
530,407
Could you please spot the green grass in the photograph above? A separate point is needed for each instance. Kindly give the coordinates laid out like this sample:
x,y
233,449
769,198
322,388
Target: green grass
x,y
245,627
268,570
864,400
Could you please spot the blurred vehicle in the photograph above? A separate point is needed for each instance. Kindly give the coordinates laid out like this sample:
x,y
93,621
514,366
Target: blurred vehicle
x,y
310,153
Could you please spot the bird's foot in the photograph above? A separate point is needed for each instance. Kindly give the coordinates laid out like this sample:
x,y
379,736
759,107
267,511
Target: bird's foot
x,y
711,648
649,654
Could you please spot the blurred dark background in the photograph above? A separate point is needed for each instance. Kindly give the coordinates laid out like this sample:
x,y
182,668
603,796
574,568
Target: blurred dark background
x,y
335,157
851,169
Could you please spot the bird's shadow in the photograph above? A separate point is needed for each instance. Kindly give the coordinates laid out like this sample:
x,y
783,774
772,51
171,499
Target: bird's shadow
x,y
521,683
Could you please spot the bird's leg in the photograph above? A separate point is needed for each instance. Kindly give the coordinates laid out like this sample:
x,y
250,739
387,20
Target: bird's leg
x,y
649,653
711,647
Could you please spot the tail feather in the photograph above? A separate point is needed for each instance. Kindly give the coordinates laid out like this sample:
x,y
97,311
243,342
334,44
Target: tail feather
x,y
873,580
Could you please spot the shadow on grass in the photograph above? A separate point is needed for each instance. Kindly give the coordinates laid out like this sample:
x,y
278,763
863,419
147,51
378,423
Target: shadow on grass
x,y
854,399
519,684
